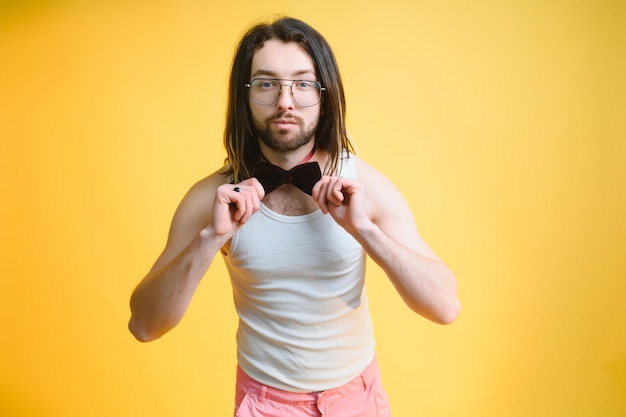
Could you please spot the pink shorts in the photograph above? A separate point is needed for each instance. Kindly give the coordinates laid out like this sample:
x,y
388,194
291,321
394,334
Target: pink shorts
x,y
363,396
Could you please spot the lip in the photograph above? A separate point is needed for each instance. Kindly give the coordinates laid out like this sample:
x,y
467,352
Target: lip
x,y
284,123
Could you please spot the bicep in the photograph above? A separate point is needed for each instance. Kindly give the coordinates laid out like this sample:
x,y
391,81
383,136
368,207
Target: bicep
x,y
191,216
389,210
397,221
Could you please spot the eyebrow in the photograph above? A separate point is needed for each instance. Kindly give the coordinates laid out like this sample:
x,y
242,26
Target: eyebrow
x,y
273,74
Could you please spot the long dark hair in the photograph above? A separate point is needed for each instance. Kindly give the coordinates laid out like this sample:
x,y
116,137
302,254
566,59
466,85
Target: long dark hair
x,y
239,138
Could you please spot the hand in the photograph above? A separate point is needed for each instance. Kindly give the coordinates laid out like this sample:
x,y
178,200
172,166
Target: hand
x,y
344,199
235,204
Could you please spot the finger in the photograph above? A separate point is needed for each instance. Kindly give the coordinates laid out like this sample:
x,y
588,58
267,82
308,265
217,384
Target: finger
x,y
256,186
252,205
319,193
240,207
246,196
316,189
334,191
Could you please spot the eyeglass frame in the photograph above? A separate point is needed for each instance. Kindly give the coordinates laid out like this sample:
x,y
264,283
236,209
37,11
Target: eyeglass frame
x,y
249,85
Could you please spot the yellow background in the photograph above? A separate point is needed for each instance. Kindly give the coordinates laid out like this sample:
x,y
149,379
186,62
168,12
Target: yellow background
x,y
503,123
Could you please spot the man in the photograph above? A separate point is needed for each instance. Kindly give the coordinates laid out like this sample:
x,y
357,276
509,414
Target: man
x,y
294,240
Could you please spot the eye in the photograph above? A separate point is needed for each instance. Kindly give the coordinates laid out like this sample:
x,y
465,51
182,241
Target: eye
x,y
304,85
266,84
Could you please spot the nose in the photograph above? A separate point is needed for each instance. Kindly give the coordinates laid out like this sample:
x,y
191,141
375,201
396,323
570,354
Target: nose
x,y
285,97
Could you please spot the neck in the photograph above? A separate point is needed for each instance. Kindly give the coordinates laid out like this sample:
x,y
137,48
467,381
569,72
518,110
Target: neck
x,y
308,157
288,160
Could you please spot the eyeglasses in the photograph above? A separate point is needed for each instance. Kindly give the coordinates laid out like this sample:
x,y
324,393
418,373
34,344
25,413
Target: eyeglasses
x,y
265,91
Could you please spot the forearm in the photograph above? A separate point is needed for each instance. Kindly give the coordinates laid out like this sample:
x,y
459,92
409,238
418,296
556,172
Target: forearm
x,y
162,297
426,285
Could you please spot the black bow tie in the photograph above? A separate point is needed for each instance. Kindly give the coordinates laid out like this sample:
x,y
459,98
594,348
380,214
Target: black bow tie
x,y
303,176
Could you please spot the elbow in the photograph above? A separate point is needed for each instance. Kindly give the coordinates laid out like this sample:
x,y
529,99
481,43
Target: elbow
x,y
449,314
147,323
137,325
444,313
139,332
142,332
449,307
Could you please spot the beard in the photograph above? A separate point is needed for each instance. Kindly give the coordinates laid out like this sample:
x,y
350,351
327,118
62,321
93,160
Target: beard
x,y
284,140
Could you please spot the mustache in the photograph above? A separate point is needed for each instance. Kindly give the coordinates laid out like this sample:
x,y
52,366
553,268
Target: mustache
x,y
283,115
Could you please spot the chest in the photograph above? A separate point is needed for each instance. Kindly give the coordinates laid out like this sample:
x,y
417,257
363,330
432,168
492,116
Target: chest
x,y
288,200
272,247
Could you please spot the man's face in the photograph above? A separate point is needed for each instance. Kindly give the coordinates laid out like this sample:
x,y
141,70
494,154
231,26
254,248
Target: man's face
x,y
284,126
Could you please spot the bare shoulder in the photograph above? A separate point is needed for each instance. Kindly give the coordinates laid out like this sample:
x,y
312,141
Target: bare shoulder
x,y
208,185
192,215
364,168
382,194
196,205
388,209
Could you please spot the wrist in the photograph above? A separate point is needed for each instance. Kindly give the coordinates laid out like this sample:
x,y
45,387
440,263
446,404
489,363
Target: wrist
x,y
365,231
210,236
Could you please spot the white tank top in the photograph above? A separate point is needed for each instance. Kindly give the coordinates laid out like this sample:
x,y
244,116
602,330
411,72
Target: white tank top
x,y
298,288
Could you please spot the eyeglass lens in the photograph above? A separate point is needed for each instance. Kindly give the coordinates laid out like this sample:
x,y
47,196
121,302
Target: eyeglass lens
x,y
266,91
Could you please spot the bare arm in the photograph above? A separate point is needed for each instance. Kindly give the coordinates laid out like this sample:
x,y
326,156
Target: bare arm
x,y
205,220
378,217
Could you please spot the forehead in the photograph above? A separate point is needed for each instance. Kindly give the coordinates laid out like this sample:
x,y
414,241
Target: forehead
x,y
282,60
